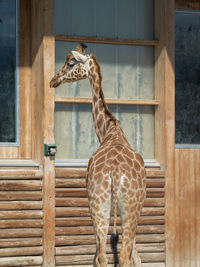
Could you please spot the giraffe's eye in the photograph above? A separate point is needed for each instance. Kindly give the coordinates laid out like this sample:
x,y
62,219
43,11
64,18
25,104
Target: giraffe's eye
x,y
71,63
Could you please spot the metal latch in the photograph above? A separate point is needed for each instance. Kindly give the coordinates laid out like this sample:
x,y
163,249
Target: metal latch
x,y
50,150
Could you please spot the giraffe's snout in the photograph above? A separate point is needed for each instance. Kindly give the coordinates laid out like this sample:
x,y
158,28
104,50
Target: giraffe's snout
x,y
55,81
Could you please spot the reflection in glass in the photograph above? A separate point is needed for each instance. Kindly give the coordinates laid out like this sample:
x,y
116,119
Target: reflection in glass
x,y
187,70
76,138
127,71
131,19
8,71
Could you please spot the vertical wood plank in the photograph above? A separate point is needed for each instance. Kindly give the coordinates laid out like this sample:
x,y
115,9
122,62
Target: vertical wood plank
x,y
197,204
43,114
159,81
188,4
169,132
181,198
49,213
25,80
164,84
37,80
192,211
187,207
177,199
48,130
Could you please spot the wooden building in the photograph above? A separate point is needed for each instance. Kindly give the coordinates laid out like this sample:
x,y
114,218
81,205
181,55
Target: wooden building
x,y
44,218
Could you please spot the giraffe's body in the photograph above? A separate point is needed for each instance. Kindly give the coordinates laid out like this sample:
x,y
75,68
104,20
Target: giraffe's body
x,y
115,174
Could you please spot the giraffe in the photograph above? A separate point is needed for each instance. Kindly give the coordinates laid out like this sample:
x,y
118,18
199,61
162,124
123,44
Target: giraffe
x,y
115,174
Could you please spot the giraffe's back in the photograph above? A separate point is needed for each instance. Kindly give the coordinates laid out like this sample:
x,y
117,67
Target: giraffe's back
x,y
116,155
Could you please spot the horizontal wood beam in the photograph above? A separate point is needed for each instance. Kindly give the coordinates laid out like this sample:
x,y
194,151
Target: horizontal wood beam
x,y
81,182
81,230
62,172
62,212
20,242
87,260
185,4
22,173
85,100
81,221
80,202
81,192
90,239
21,261
10,252
103,40
84,249
154,264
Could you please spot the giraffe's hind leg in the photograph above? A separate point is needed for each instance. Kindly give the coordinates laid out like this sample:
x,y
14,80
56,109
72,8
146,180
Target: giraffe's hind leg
x,y
100,206
129,256
128,235
101,226
130,208
135,258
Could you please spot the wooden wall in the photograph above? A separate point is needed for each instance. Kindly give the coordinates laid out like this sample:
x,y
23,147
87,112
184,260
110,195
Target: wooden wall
x,y
187,4
27,195
22,222
21,217
187,194
75,240
187,205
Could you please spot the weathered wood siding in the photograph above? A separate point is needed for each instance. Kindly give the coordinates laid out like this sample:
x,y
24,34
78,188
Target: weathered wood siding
x,y
187,194
75,240
21,217
187,202
187,4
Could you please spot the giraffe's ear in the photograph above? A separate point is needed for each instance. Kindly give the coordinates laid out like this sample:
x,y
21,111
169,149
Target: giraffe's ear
x,y
81,48
79,57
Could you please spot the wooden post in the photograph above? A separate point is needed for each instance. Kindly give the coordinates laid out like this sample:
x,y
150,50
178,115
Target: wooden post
x,y
165,93
159,82
43,114
37,80
48,130
170,133
25,80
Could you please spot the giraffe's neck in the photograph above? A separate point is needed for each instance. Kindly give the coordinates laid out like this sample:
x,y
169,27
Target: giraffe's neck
x,y
102,117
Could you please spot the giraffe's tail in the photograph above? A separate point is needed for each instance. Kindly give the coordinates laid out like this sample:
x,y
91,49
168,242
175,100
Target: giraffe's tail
x,y
114,237
113,241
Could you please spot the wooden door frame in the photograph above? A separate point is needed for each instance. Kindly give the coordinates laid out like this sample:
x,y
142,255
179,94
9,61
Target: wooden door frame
x,y
43,58
43,68
22,149
164,25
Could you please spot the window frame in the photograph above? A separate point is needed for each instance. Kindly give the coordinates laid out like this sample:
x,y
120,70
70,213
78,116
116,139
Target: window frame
x,y
157,102
21,149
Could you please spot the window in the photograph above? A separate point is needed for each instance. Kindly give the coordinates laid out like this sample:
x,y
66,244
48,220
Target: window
x,y
9,74
127,71
187,70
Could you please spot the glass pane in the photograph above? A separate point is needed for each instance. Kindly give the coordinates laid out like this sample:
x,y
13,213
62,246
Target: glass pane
x,y
127,71
7,71
76,138
113,18
187,56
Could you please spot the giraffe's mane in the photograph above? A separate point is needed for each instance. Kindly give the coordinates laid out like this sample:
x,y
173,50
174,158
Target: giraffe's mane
x,y
101,94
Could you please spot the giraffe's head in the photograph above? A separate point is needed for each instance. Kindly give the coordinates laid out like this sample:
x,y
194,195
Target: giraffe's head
x,y
76,67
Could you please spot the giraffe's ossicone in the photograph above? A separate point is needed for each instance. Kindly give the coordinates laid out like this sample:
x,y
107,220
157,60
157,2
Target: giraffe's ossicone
x,y
115,174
